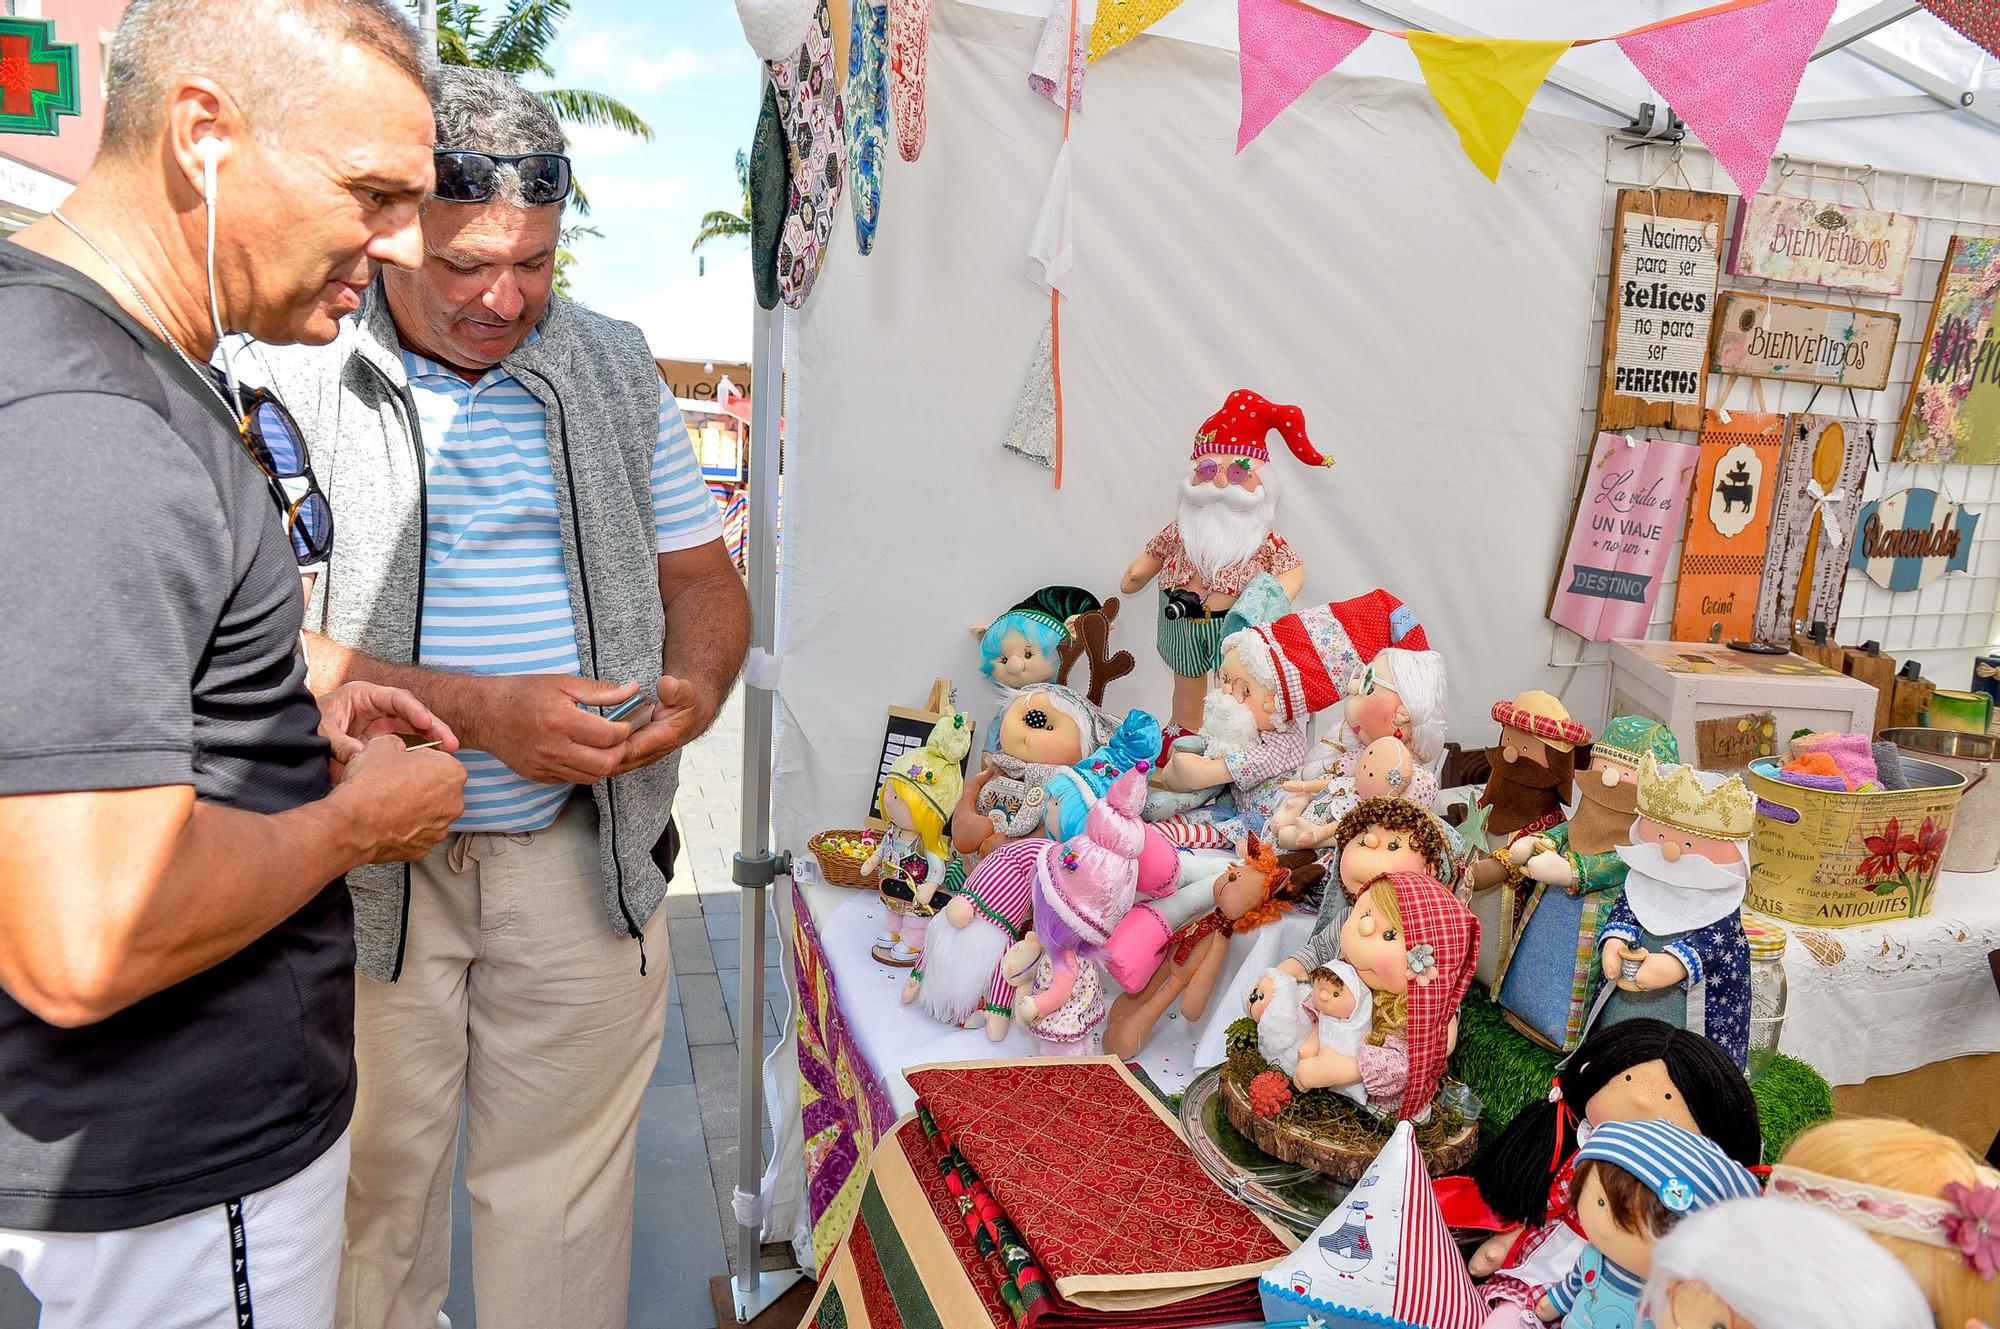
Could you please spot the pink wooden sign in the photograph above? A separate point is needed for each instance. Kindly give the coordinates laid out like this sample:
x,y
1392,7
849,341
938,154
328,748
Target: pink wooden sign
x,y
1628,515
1822,244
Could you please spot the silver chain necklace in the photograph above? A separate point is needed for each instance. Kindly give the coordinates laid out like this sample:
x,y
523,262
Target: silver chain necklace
x,y
159,326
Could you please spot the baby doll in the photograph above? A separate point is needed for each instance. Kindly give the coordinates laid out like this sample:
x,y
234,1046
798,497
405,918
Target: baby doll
x,y
1520,1184
1921,1195
916,799
1413,944
1774,1263
1635,1181
1380,835
1331,1012
1079,891
1386,768
1044,730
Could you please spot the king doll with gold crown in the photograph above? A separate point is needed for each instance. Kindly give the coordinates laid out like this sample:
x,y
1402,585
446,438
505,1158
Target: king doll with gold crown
x,y
1673,947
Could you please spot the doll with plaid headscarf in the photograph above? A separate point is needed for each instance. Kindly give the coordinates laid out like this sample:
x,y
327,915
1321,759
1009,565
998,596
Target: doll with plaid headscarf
x,y
1414,945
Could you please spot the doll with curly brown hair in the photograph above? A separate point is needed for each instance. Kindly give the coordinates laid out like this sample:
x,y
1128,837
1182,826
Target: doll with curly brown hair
x,y
1380,835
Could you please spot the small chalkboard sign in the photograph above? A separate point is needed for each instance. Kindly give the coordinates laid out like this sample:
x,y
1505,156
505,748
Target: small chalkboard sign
x,y
905,733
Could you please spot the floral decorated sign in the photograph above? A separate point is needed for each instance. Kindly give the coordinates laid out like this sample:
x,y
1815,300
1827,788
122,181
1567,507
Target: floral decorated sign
x,y
1953,412
1822,244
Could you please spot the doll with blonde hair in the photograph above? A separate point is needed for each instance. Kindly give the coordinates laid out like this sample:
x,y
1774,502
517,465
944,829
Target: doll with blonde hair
x,y
1920,1194
916,798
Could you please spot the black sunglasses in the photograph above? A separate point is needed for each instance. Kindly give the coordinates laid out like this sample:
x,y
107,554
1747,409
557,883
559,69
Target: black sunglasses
x,y
273,439
471,177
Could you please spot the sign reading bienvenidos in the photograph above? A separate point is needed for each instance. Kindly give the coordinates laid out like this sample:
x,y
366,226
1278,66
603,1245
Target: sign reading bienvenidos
x,y
1822,244
1665,263
1803,341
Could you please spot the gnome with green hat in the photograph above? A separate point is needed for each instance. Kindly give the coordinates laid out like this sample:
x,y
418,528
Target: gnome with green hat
x,y
1552,974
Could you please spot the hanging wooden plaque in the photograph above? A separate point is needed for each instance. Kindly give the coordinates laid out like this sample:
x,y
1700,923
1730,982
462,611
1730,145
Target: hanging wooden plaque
x,y
1665,261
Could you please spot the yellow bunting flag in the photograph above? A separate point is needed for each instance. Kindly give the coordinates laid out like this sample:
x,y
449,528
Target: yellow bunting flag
x,y
1484,85
1119,21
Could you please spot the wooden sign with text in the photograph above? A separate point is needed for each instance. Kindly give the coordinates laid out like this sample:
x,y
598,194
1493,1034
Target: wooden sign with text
x,y
1822,244
1803,341
1731,742
1728,526
1665,262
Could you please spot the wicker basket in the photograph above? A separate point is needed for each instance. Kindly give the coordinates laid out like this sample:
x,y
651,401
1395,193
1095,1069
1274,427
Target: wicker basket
x,y
837,869
1287,1142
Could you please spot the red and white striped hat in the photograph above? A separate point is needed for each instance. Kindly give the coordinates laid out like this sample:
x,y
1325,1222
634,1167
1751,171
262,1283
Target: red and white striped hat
x,y
1308,656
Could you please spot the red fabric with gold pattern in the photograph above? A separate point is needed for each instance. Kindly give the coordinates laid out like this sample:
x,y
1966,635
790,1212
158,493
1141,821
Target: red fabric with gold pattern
x,y
1094,1180
1433,916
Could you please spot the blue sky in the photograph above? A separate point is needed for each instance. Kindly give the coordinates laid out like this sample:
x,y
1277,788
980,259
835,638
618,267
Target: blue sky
x,y
685,68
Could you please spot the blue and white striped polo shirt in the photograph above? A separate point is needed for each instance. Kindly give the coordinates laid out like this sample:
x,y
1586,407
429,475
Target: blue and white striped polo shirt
x,y
496,595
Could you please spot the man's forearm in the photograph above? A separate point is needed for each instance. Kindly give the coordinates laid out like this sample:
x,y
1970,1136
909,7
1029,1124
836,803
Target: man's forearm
x,y
708,634
454,698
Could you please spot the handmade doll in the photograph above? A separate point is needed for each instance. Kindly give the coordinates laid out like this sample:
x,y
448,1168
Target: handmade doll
x,y
1534,764
1330,1012
1245,897
1635,1181
1400,694
916,799
1240,778
1774,1263
1921,1195
1022,647
1230,734
1574,878
1220,538
1385,769
961,979
1378,836
1046,728
1521,1183
1413,944
1673,946
1077,894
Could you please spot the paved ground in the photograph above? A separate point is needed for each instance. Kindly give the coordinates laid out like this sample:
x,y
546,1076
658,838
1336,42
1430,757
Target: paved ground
x,y
683,1231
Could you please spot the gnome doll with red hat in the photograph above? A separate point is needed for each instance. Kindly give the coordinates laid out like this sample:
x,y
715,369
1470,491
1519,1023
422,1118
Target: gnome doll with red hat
x,y
1275,675
1414,945
1220,539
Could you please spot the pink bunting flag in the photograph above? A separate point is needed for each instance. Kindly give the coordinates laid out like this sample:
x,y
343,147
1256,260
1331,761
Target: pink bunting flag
x,y
1732,75
1283,49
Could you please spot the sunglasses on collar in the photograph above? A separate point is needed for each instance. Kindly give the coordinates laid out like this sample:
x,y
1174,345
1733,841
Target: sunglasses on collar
x,y
473,177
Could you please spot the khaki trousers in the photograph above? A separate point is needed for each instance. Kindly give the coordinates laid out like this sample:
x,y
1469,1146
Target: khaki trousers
x,y
516,993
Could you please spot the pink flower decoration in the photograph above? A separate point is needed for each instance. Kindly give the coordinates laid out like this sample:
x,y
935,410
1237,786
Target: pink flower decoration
x,y
1976,1225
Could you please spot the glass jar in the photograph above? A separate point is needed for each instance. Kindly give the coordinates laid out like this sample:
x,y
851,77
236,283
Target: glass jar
x,y
1767,981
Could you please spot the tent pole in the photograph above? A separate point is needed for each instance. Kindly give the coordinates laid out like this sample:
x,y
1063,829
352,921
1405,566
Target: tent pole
x,y
755,867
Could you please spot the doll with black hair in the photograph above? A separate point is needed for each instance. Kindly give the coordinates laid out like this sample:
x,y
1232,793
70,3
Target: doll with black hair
x,y
1636,1070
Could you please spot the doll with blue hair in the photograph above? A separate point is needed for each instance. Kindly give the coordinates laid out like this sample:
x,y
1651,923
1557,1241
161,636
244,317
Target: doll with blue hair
x,y
1023,646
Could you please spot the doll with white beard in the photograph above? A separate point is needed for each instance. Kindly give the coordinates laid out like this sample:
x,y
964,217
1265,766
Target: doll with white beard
x,y
1576,877
1221,538
1673,947
1228,729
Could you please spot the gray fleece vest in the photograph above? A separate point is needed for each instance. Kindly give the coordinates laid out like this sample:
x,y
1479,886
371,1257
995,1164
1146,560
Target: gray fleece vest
x,y
601,389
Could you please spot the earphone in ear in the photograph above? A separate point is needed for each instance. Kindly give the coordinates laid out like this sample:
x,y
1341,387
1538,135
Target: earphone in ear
x,y
210,152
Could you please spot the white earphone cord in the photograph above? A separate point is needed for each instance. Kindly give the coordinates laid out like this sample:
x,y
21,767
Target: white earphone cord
x,y
214,306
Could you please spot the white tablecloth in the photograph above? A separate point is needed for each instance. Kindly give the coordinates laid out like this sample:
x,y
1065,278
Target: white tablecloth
x,y
1885,998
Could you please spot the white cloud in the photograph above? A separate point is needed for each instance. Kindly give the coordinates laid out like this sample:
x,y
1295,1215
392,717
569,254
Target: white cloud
x,y
621,64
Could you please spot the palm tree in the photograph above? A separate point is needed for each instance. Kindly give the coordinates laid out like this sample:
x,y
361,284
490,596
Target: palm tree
x,y
565,253
515,41
718,225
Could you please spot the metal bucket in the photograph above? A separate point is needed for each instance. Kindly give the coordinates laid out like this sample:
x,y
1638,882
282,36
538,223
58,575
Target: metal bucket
x,y
1974,844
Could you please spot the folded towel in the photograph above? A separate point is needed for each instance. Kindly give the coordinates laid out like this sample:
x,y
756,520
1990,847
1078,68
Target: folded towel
x,y
1889,766
1819,767
1852,752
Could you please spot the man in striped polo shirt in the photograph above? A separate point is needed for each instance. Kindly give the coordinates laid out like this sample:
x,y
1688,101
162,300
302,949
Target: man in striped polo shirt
x,y
525,543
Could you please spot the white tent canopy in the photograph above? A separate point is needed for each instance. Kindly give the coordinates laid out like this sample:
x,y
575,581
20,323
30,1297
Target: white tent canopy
x,y
1437,329
702,318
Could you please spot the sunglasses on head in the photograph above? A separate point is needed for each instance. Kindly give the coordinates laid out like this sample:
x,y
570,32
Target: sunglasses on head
x,y
272,438
472,177
1235,472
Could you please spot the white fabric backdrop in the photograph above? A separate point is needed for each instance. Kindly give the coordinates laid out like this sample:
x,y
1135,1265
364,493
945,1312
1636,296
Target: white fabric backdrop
x,y
1431,324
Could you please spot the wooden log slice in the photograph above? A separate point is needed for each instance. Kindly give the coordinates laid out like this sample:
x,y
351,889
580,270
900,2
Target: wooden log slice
x,y
1341,1161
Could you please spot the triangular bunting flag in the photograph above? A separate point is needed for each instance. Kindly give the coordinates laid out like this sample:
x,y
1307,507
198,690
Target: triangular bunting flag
x,y
1732,75
1383,1257
1283,49
1978,21
1119,21
1484,85
1032,431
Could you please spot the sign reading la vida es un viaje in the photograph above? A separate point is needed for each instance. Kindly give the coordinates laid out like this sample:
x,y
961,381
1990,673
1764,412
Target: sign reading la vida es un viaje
x,y
1665,263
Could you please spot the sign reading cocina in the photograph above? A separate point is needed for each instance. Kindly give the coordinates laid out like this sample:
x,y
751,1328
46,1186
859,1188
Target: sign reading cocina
x,y
1803,341
1820,244
1665,261
1911,538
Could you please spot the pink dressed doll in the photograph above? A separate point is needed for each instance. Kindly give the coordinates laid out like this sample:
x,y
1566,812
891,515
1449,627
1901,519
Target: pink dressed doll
x,y
1080,889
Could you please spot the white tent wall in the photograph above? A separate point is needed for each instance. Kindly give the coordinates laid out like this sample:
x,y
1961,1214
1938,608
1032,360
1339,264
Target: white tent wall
x,y
1431,324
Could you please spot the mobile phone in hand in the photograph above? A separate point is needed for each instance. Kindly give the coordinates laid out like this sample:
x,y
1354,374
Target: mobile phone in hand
x,y
625,708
